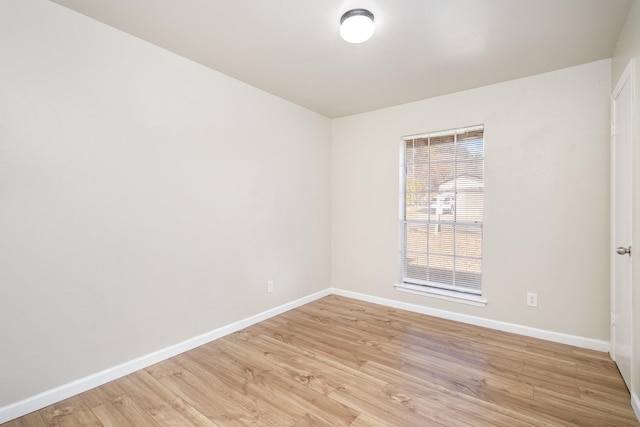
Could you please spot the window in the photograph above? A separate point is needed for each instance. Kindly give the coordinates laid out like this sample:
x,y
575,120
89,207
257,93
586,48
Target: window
x,y
442,210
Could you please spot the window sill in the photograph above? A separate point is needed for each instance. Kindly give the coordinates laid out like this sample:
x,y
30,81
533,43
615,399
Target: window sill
x,y
461,297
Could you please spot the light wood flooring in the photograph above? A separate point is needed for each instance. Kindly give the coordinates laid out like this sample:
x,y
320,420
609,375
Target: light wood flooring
x,y
341,362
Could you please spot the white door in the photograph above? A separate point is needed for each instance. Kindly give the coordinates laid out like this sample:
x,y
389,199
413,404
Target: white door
x,y
622,105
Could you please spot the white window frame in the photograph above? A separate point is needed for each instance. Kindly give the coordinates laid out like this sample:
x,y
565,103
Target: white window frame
x,y
430,289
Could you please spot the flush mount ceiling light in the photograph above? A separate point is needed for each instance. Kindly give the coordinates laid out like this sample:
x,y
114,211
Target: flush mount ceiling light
x,y
356,25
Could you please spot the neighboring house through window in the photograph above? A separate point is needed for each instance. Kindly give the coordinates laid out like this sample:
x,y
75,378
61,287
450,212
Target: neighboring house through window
x,y
442,210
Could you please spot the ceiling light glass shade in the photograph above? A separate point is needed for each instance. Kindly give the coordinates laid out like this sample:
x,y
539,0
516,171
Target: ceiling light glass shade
x,y
357,26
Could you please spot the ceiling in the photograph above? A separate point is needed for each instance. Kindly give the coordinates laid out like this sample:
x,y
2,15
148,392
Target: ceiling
x,y
421,48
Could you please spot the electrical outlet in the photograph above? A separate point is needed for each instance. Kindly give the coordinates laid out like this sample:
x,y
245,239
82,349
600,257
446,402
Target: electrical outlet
x,y
270,286
532,299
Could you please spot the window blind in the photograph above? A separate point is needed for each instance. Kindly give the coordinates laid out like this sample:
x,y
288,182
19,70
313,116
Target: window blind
x,y
443,208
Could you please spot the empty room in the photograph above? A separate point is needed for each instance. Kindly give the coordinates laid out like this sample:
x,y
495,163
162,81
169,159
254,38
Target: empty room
x,y
327,213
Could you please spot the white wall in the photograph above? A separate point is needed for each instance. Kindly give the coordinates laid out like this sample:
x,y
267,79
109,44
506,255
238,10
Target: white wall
x,y
546,197
144,199
628,48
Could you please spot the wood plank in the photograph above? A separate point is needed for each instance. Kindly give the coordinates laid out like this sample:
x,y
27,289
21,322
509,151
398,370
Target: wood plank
x,y
161,409
121,412
312,367
227,379
467,403
164,368
583,413
33,419
213,403
338,361
70,412
365,420
310,420
103,394
187,411
381,410
274,382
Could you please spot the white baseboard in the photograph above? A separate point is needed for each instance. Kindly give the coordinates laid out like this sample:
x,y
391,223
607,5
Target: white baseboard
x,y
635,404
49,397
559,337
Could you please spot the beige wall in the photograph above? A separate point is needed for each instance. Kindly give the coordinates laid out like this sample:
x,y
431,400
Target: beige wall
x,y
628,48
628,44
144,199
546,197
